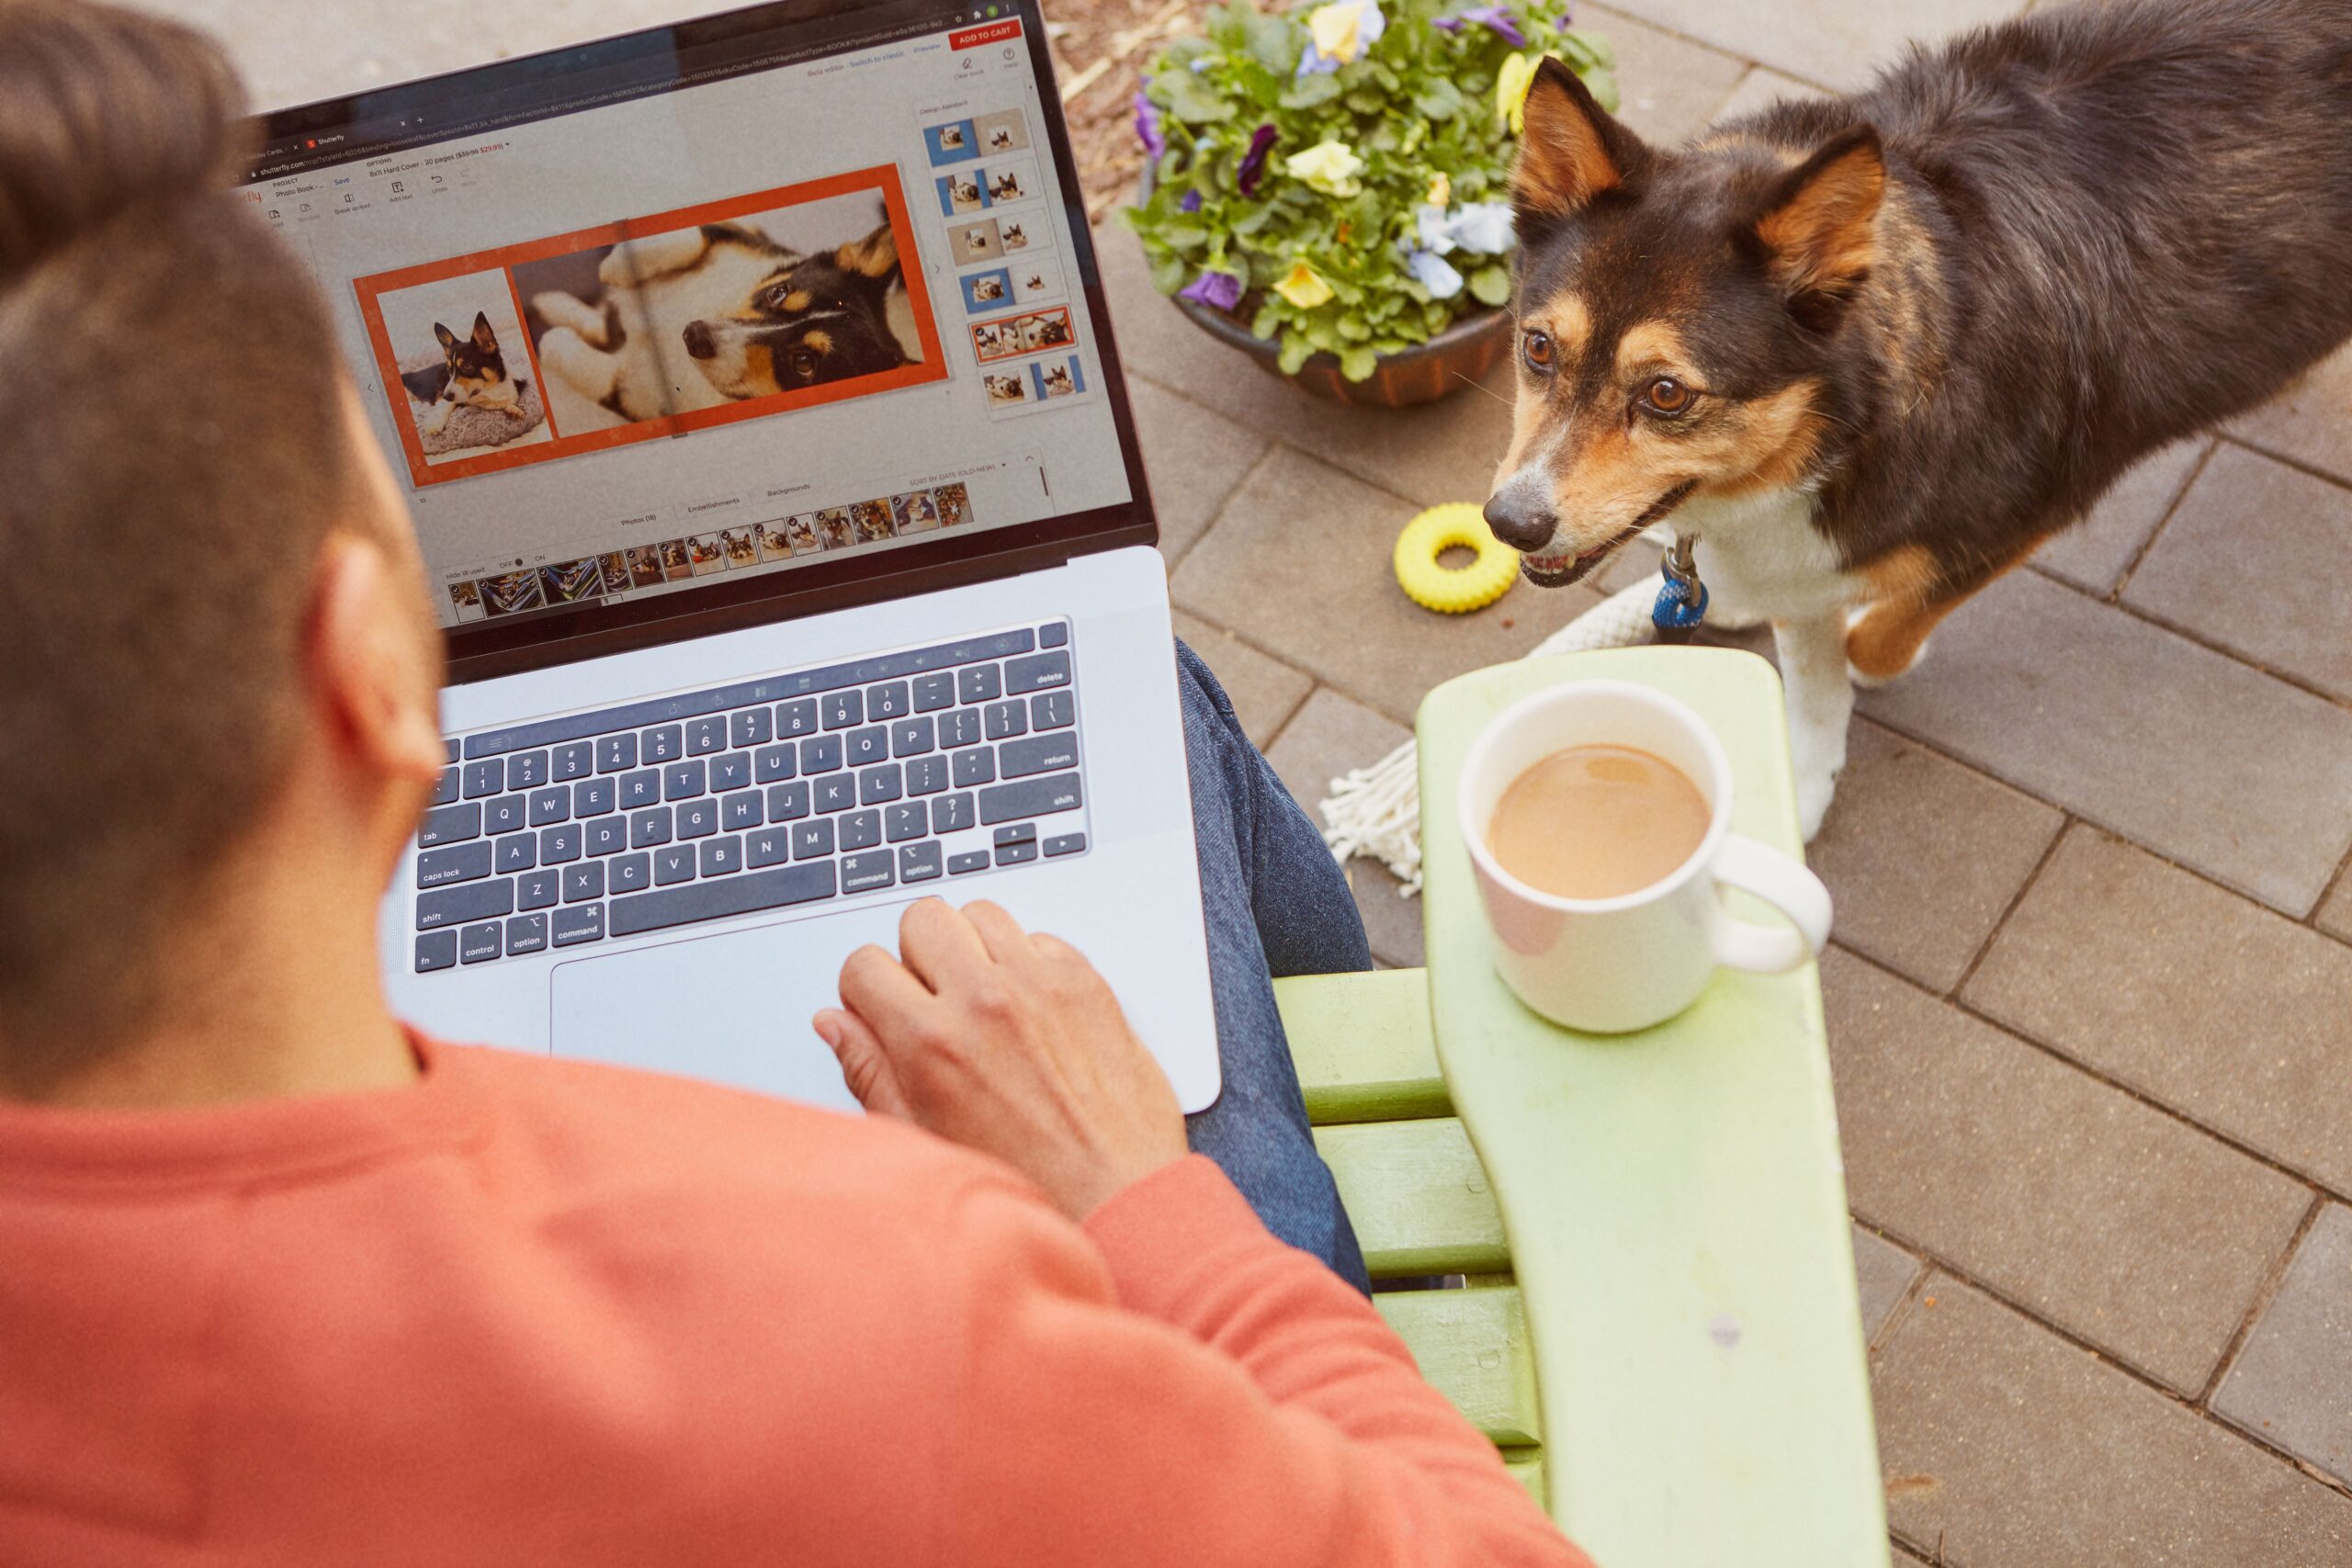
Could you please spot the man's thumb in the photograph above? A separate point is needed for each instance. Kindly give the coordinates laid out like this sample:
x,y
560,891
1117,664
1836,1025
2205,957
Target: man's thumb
x,y
863,1063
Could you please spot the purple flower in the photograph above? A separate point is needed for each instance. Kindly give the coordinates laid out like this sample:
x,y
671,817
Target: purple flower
x,y
1191,202
1220,290
1496,18
1253,162
1147,126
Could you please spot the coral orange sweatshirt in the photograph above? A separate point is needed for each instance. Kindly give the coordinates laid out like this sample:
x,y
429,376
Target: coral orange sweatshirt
x,y
537,1312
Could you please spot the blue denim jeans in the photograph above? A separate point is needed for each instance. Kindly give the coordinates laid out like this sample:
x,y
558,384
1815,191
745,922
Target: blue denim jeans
x,y
1277,905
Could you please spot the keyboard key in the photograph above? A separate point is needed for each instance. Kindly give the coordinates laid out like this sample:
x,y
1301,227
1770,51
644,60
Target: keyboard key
x,y
920,863
821,755
629,874
445,788
769,846
869,745
697,820
908,819
1067,844
1030,797
935,691
485,778
527,769
927,775
749,728
810,839
437,950
675,863
886,701
1006,719
594,797
608,835
459,862
977,860
836,792
733,771
525,933
716,900
582,883
1054,633
705,736
1037,671
1018,833
682,781
466,901
664,744
1038,754
573,760
518,851
977,766
1052,710
506,813
477,944
786,801
559,844
1014,854
770,763
722,857
861,829
913,737
876,785
450,824
615,754
549,806
961,727
980,684
451,749
641,789
952,813
862,872
538,889
584,923
842,709
649,828
796,718
738,812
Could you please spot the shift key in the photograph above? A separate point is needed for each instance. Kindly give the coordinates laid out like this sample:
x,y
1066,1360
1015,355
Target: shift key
x,y
1030,797
466,901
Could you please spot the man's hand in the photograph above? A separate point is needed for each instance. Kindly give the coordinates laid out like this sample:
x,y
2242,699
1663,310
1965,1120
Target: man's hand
x,y
1008,1044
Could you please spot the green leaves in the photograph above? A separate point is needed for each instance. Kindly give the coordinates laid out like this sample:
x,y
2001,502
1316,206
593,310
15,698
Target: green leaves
x,y
1491,286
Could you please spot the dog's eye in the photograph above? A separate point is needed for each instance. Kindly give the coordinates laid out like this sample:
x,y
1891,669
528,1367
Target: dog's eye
x,y
804,362
1537,348
1667,397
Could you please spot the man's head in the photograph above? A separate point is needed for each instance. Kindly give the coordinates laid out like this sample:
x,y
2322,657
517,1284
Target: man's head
x,y
207,590
1678,321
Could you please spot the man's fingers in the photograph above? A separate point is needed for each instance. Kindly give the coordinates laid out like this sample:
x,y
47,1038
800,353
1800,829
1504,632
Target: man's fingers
x,y
939,945
1006,942
878,988
865,1065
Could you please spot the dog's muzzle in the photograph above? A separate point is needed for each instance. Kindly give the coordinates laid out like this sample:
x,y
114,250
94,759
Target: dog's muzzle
x,y
1560,571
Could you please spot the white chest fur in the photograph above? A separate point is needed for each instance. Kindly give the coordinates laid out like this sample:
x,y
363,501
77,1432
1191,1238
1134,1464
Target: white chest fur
x,y
1762,558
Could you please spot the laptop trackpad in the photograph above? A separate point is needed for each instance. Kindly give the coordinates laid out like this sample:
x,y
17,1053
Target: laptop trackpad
x,y
732,1008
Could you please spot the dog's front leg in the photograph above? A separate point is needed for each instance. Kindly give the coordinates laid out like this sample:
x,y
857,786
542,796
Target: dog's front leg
x,y
436,418
1821,701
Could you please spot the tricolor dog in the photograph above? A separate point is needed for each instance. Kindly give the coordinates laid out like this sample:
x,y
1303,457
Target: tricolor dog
x,y
1870,352
473,374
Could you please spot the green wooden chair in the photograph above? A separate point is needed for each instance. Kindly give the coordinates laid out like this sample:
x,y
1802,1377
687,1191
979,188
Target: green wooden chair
x,y
1660,1327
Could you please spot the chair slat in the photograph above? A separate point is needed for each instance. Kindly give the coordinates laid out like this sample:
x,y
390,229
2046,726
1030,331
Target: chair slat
x,y
1364,1047
1418,1197
1472,1345
1526,1465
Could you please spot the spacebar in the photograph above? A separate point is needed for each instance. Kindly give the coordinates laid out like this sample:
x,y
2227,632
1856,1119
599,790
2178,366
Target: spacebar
x,y
720,897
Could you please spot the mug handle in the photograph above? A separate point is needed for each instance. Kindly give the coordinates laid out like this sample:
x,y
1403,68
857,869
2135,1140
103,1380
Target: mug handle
x,y
1759,869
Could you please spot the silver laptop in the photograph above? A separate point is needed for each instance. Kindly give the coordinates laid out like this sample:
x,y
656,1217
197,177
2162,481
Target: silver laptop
x,y
752,387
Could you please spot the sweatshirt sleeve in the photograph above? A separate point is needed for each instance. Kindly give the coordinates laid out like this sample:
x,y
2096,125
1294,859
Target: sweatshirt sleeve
x,y
1189,1391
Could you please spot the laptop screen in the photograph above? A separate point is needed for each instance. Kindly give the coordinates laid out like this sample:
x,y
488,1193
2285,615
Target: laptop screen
x,y
793,296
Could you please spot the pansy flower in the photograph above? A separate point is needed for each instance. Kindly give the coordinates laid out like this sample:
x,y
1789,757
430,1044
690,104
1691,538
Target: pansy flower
x,y
1303,287
1511,81
1190,202
1253,162
1147,126
1327,166
1436,273
1219,290
1497,19
1338,34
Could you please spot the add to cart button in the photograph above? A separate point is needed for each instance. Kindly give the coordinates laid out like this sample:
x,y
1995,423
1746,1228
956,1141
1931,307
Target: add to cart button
x,y
995,32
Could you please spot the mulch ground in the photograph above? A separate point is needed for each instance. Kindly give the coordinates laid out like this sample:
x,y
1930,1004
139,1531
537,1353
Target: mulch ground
x,y
1099,49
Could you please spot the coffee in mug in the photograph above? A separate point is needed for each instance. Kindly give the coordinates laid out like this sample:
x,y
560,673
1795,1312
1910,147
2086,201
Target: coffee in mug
x,y
1597,821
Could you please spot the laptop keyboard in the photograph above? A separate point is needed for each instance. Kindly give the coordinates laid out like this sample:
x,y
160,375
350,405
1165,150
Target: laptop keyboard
x,y
852,778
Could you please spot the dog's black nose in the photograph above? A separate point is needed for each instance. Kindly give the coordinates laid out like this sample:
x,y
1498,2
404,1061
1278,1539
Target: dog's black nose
x,y
1520,514
698,340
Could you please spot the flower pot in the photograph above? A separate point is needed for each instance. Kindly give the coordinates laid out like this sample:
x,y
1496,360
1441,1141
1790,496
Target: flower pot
x,y
1422,374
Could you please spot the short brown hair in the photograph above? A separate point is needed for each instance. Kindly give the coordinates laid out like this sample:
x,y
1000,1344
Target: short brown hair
x,y
174,450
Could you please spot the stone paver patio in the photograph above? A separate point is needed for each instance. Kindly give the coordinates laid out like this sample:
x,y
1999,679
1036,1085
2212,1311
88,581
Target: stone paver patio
x,y
2091,997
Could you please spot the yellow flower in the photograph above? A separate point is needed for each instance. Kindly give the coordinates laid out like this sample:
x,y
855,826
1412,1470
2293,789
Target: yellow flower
x,y
1338,30
1512,82
1328,166
1441,190
1303,287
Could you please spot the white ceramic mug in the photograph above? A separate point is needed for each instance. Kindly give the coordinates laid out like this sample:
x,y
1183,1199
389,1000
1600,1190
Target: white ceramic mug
x,y
1612,964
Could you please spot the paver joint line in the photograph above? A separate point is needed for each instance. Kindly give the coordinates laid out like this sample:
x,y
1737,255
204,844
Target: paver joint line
x,y
2048,850
2262,1300
2188,484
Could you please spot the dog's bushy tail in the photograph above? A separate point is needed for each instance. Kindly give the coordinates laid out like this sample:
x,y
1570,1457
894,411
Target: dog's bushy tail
x,y
104,111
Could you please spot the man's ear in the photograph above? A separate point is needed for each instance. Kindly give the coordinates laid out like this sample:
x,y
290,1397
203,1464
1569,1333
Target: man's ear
x,y
443,335
374,669
875,256
1818,228
1570,151
484,337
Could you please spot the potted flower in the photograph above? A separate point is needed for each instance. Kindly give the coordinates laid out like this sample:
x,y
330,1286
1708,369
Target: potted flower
x,y
1328,187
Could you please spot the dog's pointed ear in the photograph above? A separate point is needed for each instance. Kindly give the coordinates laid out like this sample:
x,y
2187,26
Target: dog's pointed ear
x,y
1818,228
484,337
875,256
443,335
1570,151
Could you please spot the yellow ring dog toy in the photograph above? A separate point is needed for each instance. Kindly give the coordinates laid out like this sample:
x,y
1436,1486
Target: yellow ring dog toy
x,y
1452,590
